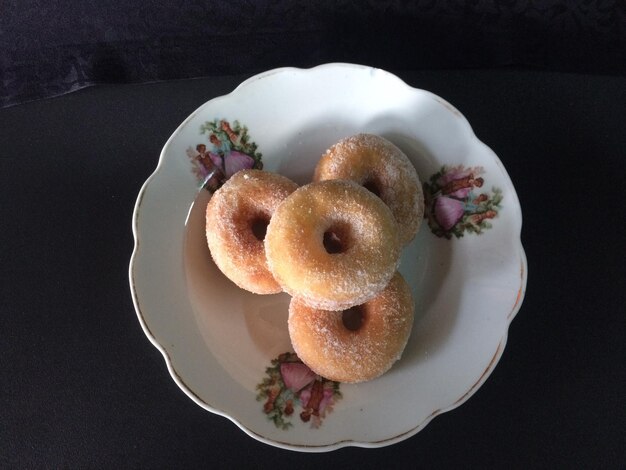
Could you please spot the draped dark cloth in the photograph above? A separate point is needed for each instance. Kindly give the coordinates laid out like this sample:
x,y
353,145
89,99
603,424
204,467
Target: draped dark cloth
x,y
49,48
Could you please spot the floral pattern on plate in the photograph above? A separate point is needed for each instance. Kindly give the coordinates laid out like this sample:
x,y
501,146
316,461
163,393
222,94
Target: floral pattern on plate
x,y
288,384
456,203
228,149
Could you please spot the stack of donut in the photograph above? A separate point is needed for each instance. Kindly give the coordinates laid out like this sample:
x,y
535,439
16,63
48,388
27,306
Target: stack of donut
x,y
334,245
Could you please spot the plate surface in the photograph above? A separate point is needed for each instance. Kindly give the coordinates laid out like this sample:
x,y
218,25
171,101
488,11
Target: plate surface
x,y
227,349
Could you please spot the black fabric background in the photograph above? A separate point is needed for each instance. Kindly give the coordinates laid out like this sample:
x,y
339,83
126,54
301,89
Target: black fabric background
x,y
82,387
51,47
541,81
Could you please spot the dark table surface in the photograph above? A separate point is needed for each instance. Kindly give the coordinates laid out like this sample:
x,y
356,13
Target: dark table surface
x,y
81,386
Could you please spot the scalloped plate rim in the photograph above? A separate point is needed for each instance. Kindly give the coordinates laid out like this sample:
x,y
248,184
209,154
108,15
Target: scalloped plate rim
x,y
346,442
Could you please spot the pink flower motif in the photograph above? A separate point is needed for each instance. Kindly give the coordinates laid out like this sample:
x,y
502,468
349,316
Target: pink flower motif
x,y
232,162
296,375
216,159
448,212
235,161
305,396
327,400
454,173
316,399
458,181
461,193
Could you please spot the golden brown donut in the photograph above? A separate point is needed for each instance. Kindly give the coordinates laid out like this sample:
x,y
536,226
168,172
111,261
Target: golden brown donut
x,y
236,219
333,244
374,338
384,169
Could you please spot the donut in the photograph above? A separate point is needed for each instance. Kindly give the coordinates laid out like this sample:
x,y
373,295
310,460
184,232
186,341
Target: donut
x,y
236,220
333,244
384,169
358,344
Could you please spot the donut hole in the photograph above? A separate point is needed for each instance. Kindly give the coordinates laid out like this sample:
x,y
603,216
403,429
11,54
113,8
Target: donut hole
x,y
337,239
353,318
258,225
373,186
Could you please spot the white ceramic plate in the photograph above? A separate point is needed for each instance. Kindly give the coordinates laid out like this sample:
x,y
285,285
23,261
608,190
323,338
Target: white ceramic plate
x,y
467,267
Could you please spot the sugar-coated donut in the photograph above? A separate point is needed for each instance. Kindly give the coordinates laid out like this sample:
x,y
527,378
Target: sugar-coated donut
x,y
384,169
333,244
358,345
236,220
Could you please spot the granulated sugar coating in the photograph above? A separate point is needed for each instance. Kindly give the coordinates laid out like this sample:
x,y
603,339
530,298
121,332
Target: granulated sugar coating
x,y
236,218
380,166
335,352
333,244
